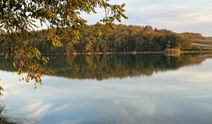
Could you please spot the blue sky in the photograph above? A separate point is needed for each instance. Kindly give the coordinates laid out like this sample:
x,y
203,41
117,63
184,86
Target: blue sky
x,y
176,15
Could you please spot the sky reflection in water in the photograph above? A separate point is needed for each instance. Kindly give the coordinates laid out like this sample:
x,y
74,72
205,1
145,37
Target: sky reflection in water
x,y
182,96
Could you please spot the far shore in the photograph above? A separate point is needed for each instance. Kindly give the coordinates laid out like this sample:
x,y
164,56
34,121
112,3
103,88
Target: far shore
x,y
133,53
143,52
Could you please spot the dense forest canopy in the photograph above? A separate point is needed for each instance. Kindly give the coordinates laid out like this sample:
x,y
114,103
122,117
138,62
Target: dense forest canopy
x,y
190,35
128,38
122,38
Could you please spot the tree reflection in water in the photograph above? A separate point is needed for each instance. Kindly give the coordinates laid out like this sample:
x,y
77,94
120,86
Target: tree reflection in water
x,y
102,67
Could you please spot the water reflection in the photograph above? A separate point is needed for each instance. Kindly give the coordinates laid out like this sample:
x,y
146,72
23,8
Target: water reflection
x,y
102,67
182,96
117,66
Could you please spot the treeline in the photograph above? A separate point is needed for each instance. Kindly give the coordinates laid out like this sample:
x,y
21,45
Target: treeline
x,y
122,38
192,36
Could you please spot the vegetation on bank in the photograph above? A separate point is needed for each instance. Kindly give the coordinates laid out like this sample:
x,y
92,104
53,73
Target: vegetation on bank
x,y
101,38
122,38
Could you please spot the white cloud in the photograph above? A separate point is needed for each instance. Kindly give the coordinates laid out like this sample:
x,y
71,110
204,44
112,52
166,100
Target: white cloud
x,y
177,15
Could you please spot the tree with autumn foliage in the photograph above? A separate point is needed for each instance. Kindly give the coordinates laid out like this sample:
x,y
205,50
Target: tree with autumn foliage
x,y
18,18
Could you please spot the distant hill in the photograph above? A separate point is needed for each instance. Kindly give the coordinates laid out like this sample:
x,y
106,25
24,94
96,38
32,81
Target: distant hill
x,y
199,42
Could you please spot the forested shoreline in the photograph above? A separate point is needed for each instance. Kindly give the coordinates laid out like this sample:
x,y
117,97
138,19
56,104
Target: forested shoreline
x,y
118,39
124,39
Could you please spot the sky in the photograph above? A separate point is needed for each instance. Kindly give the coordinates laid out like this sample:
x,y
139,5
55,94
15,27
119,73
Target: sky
x,y
175,15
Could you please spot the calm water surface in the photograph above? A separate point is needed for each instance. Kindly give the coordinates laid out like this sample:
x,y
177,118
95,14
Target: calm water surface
x,y
113,90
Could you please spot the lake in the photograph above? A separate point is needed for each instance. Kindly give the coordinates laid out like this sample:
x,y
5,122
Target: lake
x,y
112,89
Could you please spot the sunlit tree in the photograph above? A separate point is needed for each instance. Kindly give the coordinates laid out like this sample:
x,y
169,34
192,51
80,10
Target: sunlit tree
x,y
18,18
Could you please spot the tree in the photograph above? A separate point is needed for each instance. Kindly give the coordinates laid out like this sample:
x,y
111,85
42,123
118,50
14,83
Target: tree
x,y
18,18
